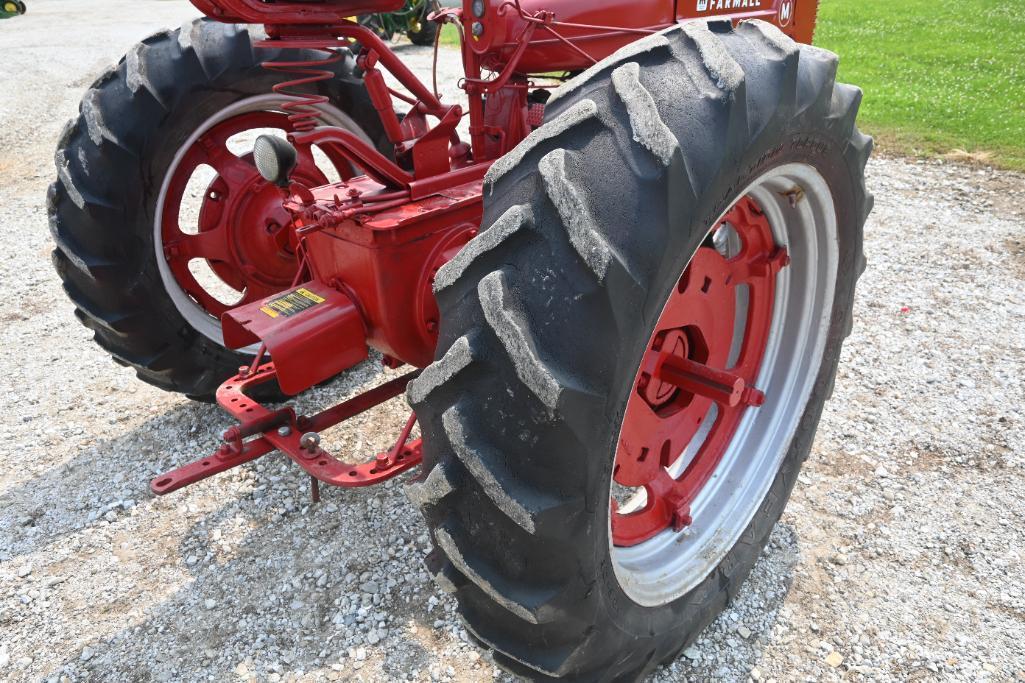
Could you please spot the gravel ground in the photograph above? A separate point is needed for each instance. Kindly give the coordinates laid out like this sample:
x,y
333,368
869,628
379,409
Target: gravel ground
x,y
900,556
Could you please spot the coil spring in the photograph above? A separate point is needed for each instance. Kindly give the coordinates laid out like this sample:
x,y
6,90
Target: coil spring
x,y
303,108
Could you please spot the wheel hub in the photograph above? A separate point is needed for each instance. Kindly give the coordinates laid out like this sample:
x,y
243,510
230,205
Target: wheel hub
x,y
657,392
702,358
243,232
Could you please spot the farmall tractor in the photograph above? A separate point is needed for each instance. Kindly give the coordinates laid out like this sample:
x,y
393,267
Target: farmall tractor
x,y
621,298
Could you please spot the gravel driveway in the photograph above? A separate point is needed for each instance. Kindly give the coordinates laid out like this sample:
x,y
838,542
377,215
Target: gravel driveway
x,y
900,557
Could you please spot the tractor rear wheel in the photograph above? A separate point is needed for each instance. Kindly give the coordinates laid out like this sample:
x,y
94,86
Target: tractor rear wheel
x,y
420,30
636,349
160,218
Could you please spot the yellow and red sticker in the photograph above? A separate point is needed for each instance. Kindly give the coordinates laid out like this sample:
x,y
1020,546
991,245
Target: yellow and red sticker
x,y
294,302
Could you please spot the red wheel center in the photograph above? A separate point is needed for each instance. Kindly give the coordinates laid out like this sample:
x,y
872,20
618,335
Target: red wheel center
x,y
243,233
695,380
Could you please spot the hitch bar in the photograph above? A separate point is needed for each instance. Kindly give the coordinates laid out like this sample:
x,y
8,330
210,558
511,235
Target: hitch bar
x,y
297,436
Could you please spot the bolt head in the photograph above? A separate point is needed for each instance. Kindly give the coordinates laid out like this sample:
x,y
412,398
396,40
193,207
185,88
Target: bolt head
x,y
477,28
284,430
310,441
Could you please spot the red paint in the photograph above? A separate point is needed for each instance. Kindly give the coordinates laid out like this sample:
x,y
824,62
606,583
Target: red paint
x,y
319,464
309,345
243,228
687,368
374,242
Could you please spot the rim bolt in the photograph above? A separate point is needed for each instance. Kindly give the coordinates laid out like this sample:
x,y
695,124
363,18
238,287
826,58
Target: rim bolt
x,y
752,397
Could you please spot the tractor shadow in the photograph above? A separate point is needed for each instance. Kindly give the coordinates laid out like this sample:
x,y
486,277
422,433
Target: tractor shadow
x,y
245,577
75,495
260,560
241,577
112,475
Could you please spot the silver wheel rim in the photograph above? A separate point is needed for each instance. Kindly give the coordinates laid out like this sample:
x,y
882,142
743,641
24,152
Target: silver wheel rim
x,y
194,314
667,566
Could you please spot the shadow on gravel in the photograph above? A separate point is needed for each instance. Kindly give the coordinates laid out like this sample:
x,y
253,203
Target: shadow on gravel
x,y
243,575
68,498
106,475
272,612
273,584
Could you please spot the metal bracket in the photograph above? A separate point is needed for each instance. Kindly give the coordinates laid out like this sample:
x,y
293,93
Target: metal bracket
x,y
296,436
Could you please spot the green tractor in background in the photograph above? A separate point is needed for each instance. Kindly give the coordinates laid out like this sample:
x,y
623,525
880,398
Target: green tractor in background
x,y
11,8
410,20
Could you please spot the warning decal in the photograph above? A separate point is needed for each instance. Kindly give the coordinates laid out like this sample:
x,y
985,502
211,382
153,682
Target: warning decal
x,y
292,303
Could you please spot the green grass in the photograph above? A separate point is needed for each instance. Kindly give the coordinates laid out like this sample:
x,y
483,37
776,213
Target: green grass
x,y
938,75
449,35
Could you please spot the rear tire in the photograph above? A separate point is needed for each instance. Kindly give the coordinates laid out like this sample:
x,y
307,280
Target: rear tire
x,y
112,161
546,316
424,32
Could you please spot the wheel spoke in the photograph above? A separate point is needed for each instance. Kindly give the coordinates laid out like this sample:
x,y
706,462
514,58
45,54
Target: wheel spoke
x,y
305,158
235,171
749,267
649,442
211,245
700,296
640,445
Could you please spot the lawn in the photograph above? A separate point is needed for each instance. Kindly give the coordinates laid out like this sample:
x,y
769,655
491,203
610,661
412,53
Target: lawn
x,y
941,77
938,75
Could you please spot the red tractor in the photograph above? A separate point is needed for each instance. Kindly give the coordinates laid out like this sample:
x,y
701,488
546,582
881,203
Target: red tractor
x,y
622,298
